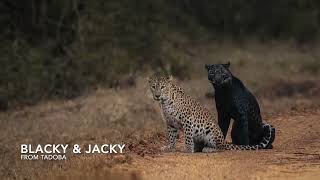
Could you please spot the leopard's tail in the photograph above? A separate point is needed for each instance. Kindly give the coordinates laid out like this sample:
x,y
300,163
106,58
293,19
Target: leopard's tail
x,y
267,139
269,130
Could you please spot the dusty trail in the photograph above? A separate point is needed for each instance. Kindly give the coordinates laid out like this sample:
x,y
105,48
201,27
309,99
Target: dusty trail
x,y
296,155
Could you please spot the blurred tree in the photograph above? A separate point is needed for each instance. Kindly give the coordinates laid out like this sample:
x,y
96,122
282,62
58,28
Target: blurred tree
x,y
59,48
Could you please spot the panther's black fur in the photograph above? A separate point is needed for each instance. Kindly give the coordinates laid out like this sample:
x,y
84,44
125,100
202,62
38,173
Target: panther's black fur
x,y
234,100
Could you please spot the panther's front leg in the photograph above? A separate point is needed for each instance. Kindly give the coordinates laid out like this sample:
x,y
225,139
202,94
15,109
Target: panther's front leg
x,y
240,131
172,136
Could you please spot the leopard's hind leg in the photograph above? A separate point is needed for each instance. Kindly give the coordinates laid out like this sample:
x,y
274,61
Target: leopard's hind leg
x,y
198,146
210,143
209,150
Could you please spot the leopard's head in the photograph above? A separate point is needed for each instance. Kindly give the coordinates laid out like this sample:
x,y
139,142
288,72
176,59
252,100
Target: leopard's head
x,y
219,74
160,86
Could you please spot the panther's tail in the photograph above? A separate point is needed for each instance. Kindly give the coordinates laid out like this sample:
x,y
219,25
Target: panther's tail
x,y
267,140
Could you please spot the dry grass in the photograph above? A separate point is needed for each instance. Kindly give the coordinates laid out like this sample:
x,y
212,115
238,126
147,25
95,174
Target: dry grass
x,y
130,116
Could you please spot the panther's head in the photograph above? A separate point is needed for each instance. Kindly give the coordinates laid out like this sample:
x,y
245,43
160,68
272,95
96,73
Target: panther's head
x,y
160,86
219,74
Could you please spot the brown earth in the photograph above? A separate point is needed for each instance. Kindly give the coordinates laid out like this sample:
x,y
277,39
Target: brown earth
x,y
296,155
135,120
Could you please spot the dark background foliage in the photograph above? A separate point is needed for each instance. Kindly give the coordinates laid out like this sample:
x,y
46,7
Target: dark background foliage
x,y
60,48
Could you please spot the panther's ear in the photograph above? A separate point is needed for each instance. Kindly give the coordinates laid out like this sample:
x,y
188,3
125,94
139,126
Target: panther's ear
x,y
226,65
170,78
207,66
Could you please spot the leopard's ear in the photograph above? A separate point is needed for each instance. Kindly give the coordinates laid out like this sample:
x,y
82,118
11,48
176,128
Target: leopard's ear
x,y
227,65
169,78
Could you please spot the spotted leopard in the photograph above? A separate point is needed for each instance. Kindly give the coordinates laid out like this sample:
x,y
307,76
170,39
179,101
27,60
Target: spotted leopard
x,y
181,112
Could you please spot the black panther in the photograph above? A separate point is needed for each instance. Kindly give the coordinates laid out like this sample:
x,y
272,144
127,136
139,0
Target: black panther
x,y
234,100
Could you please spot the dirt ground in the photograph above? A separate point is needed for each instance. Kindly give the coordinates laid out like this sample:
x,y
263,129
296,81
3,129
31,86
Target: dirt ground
x,y
296,155
93,120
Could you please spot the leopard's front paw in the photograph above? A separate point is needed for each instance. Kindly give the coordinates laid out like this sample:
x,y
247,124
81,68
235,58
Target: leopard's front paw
x,y
168,149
